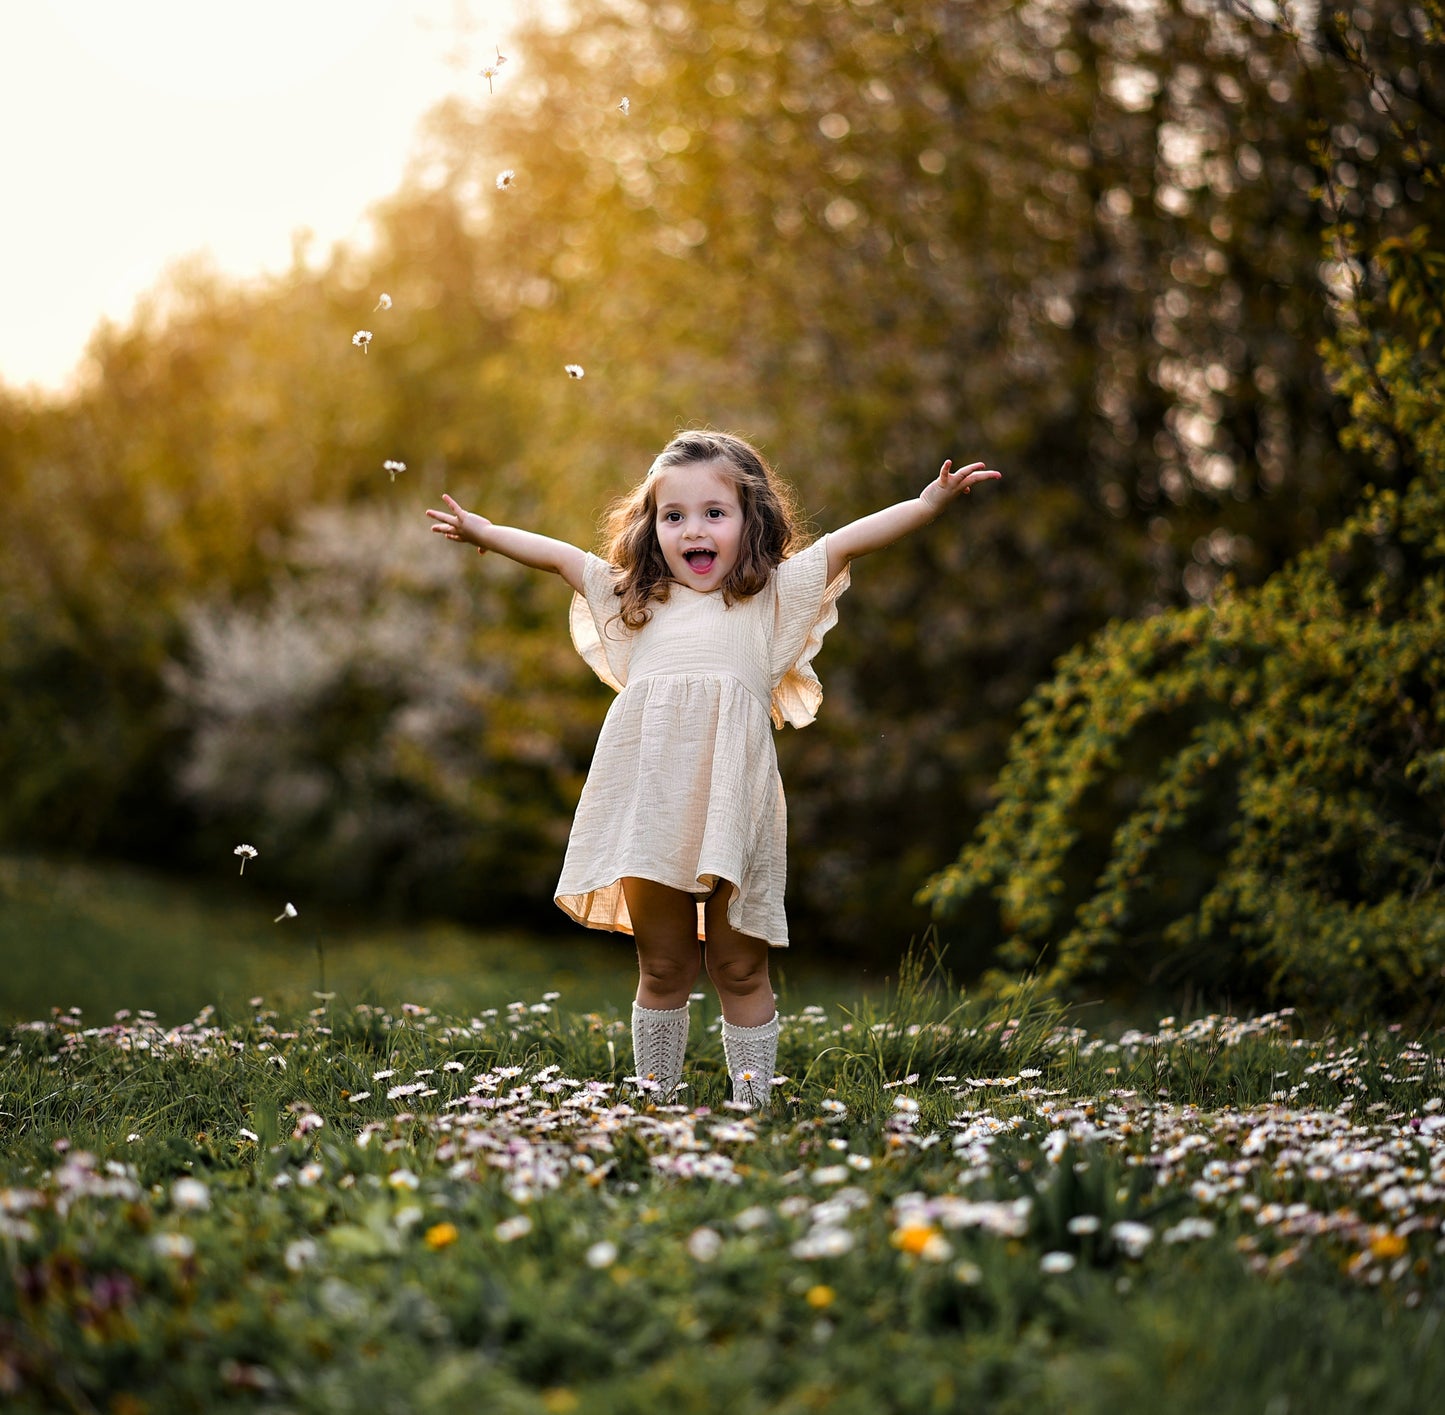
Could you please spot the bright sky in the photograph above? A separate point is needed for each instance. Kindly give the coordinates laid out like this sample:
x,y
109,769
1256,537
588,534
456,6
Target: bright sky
x,y
136,133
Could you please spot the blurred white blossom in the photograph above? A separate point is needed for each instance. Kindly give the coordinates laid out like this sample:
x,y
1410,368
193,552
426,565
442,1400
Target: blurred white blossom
x,y
602,1255
505,179
343,711
300,1253
289,912
575,371
1132,1237
625,107
393,467
174,1245
246,852
384,303
361,339
190,1196
704,1244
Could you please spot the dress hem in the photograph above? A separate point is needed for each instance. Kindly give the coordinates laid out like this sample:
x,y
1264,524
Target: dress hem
x,y
574,902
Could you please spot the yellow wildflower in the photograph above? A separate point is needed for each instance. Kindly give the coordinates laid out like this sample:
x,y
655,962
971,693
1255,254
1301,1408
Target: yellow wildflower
x,y
1387,1245
914,1237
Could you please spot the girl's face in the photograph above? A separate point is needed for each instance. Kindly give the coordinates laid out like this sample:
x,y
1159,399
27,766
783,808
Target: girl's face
x,y
699,523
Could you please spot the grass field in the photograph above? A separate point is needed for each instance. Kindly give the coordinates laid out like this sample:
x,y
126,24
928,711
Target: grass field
x,y
405,1208
101,937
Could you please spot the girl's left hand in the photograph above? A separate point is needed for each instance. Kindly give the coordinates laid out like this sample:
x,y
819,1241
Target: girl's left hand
x,y
937,494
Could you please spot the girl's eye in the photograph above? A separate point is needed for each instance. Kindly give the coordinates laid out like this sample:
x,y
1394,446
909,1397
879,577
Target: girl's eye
x,y
672,515
716,512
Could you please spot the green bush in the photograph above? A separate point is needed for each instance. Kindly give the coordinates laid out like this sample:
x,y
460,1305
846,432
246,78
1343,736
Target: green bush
x,y
1248,795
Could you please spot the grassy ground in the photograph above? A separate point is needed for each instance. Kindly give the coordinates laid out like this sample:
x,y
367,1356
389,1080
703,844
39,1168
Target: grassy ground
x,y
100,938
944,1209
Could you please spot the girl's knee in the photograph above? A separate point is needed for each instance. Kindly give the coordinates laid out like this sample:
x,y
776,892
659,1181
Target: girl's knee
x,y
739,976
668,972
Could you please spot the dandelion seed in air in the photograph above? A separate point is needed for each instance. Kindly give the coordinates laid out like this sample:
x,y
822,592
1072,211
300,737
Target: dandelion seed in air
x,y
361,339
393,468
384,303
625,107
575,371
505,180
246,852
289,912
490,71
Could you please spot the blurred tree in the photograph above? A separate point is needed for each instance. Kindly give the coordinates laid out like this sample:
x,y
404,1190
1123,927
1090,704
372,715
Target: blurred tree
x,y
1249,795
1074,237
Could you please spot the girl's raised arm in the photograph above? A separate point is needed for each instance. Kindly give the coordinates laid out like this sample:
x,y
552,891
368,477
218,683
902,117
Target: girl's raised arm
x,y
882,528
525,547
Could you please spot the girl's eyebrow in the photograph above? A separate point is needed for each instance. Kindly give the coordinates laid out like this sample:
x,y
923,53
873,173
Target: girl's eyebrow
x,y
679,506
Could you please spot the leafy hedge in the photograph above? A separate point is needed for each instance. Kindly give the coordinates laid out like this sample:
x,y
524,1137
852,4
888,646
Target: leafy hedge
x,y
1292,740
1249,795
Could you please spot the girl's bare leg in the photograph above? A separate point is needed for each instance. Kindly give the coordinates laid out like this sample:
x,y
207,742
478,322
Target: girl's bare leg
x,y
664,924
738,966
664,927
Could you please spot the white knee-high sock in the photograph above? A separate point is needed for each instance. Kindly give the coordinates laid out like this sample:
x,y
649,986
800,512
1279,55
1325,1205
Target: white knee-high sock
x,y
659,1043
752,1053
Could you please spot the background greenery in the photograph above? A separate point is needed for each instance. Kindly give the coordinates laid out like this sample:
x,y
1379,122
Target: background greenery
x,y
105,937
1099,244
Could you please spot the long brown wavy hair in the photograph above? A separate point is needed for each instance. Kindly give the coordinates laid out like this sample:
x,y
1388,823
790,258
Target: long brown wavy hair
x,y
772,524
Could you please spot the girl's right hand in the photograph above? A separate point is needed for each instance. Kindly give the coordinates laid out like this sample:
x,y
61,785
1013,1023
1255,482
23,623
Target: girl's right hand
x,y
457,524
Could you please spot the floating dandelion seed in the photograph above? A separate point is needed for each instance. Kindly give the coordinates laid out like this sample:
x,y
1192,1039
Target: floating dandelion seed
x,y
393,468
246,852
289,912
490,71
361,339
575,371
625,107
505,179
384,303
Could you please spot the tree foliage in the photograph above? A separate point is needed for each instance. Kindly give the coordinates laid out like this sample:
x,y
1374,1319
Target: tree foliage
x,y
1250,794
1076,237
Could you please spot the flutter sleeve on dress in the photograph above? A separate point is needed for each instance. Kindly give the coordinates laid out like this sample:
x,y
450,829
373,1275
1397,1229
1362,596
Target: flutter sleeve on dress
x,y
807,607
597,632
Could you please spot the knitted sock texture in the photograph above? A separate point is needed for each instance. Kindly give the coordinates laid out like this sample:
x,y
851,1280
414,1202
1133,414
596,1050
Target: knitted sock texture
x,y
659,1043
751,1054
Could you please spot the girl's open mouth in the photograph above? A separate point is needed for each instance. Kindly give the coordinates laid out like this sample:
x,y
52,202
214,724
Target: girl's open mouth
x,y
699,561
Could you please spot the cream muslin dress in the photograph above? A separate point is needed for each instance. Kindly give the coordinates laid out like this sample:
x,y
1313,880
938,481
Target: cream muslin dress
x,y
684,787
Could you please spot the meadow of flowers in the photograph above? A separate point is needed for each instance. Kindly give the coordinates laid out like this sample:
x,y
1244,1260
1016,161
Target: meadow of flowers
x,y
946,1207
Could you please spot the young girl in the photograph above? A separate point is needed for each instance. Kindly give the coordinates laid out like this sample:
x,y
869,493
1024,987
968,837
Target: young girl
x,y
704,614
